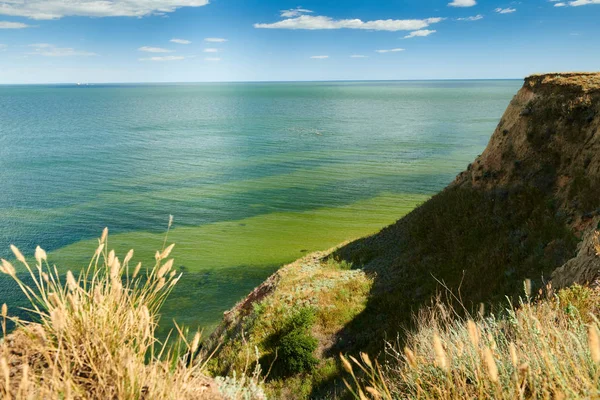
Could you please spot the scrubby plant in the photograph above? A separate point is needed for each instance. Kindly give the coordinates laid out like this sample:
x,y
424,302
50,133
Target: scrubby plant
x,y
295,345
540,350
93,335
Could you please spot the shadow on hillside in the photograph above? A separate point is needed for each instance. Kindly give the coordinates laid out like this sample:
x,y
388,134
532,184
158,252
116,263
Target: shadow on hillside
x,y
483,244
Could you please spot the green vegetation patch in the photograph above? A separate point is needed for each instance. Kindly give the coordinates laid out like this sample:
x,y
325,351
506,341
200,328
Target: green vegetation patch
x,y
294,327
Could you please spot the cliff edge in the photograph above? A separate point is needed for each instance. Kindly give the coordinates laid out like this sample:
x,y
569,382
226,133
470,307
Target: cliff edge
x,y
519,211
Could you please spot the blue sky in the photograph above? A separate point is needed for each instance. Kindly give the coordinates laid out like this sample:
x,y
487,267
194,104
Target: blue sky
x,y
59,41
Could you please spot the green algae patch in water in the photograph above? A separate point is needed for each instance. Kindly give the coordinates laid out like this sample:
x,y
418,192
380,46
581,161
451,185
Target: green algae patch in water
x,y
222,262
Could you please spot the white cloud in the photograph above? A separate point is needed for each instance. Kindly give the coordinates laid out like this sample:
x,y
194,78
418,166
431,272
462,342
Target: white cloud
x,y
215,40
462,3
310,22
211,50
50,50
54,9
583,2
214,59
294,12
560,5
3,47
358,56
319,57
180,41
389,51
163,58
505,10
473,18
148,49
12,25
419,33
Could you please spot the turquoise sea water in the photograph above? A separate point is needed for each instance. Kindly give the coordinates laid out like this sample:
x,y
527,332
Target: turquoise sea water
x,y
255,174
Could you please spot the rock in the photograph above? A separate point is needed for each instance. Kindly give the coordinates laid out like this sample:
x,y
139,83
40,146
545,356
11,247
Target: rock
x,y
583,269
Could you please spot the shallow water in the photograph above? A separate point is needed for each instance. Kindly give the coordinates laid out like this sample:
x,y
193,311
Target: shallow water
x,y
256,174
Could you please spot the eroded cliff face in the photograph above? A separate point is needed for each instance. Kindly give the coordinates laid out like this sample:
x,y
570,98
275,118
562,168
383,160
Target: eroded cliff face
x,y
549,137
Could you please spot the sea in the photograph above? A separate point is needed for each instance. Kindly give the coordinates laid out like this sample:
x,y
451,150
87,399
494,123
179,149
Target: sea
x,y
255,175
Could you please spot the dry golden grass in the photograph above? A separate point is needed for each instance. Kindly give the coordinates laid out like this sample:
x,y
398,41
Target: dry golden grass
x,y
547,349
585,80
94,334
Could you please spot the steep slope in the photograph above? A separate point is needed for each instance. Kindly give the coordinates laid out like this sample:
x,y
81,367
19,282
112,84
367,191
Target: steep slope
x,y
518,212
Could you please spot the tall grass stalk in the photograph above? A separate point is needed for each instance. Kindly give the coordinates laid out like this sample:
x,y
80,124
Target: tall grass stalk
x,y
545,348
93,334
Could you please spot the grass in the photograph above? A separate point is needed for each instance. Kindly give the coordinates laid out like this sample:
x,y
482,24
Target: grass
x,y
548,348
480,244
312,301
93,336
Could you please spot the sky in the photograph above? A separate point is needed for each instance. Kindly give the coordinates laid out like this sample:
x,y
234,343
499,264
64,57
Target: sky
x,y
104,41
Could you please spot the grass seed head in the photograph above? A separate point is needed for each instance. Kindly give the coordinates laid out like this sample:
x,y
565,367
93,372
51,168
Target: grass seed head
x,y
136,271
594,343
346,364
440,354
71,283
40,255
8,268
167,251
490,364
104,236
18,254
411,359
473,333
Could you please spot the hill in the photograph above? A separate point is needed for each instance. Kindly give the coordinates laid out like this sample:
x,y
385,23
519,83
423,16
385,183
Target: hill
x,y
519,211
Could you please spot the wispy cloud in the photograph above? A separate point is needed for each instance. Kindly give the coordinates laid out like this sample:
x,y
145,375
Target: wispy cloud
x,y
578,3
180,41
508,10
12,25
215,40
473,18
310,22
211,50
3,47
462,3
294,12
50,50
213,59
389,51
148,49
419,33
163,58
319,57
54,9
358,56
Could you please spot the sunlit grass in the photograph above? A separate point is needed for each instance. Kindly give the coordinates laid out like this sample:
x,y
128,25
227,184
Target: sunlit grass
x,y
93,335
543,349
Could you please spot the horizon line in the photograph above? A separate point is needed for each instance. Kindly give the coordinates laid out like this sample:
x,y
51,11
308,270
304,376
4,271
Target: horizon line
x,y
257,81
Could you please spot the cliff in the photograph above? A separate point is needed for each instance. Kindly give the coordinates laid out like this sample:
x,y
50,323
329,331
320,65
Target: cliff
x,y
519,211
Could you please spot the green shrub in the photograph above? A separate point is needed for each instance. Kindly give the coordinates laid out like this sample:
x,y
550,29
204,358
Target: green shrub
x,y
295,345
296,351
